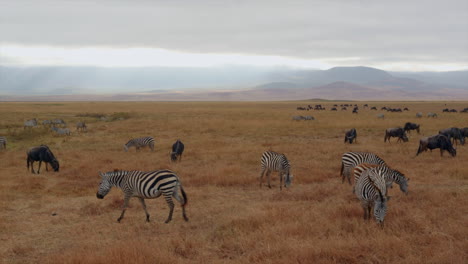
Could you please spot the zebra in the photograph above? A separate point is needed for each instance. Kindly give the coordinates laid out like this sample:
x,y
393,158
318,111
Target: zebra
x,y
298,118
419,114
30,123
371,191
82,126
144,185
140,142
433,115
3,142
381,116
59,121
389,174
272,161
46,123
350,160
61,131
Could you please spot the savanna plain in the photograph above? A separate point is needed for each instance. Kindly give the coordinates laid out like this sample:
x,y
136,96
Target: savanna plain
x,y
55,217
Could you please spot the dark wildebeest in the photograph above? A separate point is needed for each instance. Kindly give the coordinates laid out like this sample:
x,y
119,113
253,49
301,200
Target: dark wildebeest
x,y
333,109
411,126
464,132
440,141
350,136
405,109
395,132
373,108
453,133
41,154
355,110
177,150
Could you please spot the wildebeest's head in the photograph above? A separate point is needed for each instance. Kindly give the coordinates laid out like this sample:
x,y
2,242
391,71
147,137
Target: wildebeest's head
x,y
173,156
55,164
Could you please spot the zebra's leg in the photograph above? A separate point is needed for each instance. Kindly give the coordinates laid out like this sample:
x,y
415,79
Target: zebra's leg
x,y
142,201
181,200
124,207
281,180
170,203
261,177
268,177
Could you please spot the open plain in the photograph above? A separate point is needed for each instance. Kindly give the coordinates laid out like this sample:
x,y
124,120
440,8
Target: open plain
x,y
55,217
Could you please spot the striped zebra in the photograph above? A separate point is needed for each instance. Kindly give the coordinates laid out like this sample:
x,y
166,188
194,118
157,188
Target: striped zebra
x,y
371,190
3,142
272,161
30,123
352,159
390,175
144,185
61,131
140,142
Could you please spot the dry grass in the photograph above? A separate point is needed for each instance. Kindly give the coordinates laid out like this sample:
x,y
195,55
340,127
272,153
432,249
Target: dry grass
x,y
56,218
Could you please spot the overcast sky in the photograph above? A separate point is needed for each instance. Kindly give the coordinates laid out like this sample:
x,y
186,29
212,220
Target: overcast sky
x,y
392,35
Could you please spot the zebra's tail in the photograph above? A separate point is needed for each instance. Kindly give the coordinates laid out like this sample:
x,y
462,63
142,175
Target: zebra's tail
x,y
183,195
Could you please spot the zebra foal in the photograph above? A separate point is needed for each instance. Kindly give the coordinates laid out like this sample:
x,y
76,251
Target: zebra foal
x,y
144,185
272,161
140,142
371,191
349,160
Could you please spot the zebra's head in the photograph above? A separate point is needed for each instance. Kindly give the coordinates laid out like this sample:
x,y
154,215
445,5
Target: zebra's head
x,y
287,179
380,209
125,147
104,186
404,185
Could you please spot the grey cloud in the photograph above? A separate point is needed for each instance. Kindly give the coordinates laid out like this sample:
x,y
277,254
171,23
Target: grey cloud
x,y
371,30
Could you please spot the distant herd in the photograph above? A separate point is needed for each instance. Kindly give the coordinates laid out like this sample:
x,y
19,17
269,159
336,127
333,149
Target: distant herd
x,y
372,176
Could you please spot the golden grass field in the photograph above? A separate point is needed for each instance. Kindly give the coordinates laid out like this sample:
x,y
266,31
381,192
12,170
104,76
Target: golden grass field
x,y
55,217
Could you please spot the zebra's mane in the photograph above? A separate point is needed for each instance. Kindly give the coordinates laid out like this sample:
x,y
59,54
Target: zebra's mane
x,y
376,187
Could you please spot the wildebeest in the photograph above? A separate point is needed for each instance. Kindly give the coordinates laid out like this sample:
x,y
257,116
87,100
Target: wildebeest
x,y
355,110
405,109
350,136
453,133
419,114
333,109
30,123
177,150
382,116
373,108
308,118
41,153
411,126
82,126
439,141
395,132
464,132
431,114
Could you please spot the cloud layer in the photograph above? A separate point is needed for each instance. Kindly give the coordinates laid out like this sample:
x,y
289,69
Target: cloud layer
x,y
350,32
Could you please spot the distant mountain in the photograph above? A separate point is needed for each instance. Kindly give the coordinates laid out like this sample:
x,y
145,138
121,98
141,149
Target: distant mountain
x,y
227,83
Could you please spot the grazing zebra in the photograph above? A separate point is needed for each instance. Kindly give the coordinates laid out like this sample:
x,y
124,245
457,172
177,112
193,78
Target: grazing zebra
x,y
3,142
61,131
272,161
177,150
389,174
144,185
140,142
352,159
47,123
298,118
381,116
371,190
419,114
59,121
433,115
82,126
30,123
